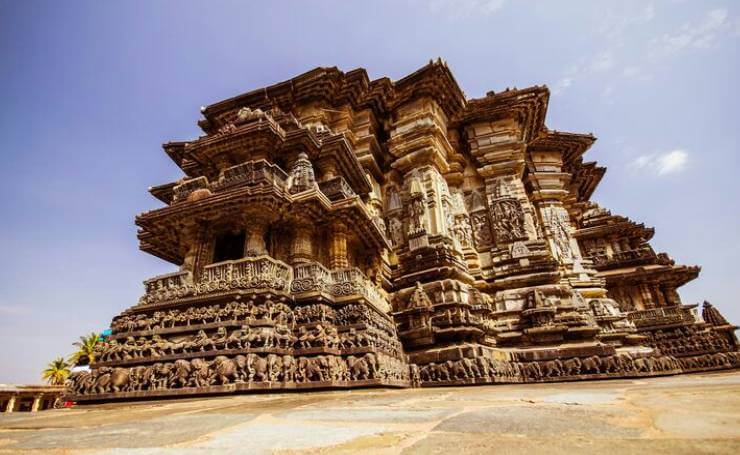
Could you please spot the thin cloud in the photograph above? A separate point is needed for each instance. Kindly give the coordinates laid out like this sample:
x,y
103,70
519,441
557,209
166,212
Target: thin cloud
x,y
707,31
614,27
702,35
601,63
561,85
661,164
463,8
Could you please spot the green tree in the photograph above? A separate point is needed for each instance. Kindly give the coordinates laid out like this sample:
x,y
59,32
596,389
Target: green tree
x,y
56,372
85,350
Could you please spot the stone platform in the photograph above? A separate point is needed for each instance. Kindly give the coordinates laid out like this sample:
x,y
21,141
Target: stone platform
x,y
697,413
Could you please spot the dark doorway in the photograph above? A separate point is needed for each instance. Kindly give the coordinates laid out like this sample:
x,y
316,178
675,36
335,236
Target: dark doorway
x,y
229,246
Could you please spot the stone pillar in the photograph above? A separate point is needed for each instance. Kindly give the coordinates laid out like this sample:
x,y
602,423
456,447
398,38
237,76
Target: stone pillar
x,y
301,248
10,407
198,249
329,170
659,296
189,244
255,241
647,298
36,403
671,295
338,247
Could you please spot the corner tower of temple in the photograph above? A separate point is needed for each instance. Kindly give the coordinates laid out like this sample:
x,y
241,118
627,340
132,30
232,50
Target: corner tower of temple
x,y
333,231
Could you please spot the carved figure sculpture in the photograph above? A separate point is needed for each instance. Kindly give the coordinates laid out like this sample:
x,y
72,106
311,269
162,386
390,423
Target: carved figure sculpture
x,y
225,370
508,220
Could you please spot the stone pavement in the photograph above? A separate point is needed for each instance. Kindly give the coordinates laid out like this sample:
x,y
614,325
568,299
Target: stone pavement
x,y
680,414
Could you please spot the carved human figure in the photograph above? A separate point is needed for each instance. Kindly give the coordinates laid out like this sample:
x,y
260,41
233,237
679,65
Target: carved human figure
x,y
288,368
219,338
507,218
419,298
417,214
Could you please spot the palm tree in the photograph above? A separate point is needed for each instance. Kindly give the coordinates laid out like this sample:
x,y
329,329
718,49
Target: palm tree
x,y
56,372
85,349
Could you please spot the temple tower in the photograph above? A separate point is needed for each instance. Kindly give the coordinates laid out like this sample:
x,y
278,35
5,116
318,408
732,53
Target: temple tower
x,y
333,231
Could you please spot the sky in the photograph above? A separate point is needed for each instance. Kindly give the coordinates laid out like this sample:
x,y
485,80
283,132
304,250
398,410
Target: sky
x,y
90,90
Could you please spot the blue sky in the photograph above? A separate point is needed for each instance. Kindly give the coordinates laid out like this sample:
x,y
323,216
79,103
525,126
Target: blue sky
x,y
90,90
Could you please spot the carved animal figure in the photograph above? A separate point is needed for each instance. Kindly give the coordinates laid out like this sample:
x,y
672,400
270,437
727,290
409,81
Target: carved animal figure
x,y
283,337
591,365
234,340
609,364
625,362
552,368
258,368
457,370
242,372
81,382
665,363
358,368
531,370
201,375
161,375
372,363
306,338
483,367
180,373
258,337
471,367
112,380
224,369
571,366
312,368
141,377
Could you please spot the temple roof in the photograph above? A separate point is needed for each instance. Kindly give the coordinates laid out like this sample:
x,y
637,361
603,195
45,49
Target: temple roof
x,y
571,145
273,134
674,275
586,178
597,222
528,106
161,229
335,88
712,315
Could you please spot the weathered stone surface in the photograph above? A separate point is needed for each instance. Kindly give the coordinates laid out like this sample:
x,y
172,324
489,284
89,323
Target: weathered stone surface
x,y
685,414
337,232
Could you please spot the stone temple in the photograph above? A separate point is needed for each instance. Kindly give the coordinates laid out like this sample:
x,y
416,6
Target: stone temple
x,y
333,231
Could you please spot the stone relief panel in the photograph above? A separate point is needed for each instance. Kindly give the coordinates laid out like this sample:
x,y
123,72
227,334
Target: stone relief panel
x,y
462,231
507,214
508,220
395,232
557,221
480,226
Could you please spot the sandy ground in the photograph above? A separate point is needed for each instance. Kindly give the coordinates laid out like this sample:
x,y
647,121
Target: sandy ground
x,y
676,415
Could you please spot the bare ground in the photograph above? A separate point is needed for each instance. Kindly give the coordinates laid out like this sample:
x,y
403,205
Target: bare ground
x,y
681,414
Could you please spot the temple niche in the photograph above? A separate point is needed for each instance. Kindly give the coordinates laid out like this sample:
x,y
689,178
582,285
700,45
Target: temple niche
x,y
333,231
